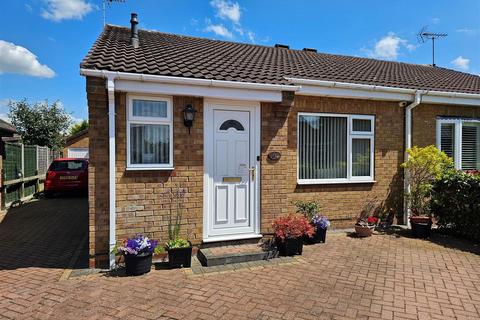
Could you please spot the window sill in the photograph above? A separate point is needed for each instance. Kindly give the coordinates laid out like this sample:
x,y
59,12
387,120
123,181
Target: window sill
x,y
320,182
150,168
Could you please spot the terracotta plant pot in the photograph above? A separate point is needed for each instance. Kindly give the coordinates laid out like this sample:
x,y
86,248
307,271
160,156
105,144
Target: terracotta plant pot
x,y
136,265
363,231
421,226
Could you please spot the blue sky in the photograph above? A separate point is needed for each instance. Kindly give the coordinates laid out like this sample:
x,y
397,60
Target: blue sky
x,y
43,41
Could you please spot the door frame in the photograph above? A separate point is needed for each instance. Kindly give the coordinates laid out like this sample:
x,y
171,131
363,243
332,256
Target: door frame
x,y
208,127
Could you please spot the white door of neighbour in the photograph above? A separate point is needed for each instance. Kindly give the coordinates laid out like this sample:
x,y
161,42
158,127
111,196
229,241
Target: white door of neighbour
x,y
231,172
77,152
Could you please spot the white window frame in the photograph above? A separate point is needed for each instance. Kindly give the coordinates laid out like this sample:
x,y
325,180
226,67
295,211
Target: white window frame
x,y
350,136
168,120
458,124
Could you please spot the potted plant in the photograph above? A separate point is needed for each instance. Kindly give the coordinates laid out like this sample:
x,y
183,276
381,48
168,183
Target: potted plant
x,y
310,210
289,232
179,249
366,221
423,167
179,253
364,226
320,224
137,253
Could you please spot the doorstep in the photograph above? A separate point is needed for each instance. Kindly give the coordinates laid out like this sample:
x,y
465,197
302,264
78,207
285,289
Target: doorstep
x,y
236,253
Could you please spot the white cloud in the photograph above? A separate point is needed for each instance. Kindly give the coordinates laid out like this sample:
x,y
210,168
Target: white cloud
x,y
17,59
219,30
28,8
4,109
58,10
468,31
251,36
389,47
461,63
227,10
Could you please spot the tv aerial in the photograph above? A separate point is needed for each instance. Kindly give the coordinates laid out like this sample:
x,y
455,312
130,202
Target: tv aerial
x,y
104,8
423,36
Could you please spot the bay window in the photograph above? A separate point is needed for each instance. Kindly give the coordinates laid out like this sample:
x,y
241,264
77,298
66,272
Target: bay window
x,y
335,148
460,140
149,133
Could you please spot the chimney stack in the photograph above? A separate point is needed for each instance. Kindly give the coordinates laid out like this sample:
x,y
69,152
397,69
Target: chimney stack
x,y
134,41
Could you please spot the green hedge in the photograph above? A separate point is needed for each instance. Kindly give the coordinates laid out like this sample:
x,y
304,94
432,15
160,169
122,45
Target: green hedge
x,y
455,202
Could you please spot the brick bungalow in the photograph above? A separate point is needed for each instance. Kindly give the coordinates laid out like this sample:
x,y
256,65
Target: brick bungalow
x,y
272,125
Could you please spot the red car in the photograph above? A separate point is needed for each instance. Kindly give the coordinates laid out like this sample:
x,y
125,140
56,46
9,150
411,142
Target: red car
x,y
66,175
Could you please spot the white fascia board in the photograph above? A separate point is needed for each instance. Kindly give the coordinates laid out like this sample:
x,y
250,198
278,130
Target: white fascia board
x,y
364,91
436,99
311,90
187,81
132,86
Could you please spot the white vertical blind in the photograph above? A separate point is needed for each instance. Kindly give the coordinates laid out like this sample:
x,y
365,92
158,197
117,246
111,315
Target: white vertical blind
x,y
322,147
360,157
470,146
447,139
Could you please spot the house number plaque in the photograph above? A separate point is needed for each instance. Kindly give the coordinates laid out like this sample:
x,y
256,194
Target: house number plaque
x,y
274,156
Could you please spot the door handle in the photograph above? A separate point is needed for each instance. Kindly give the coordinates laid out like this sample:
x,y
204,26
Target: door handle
x,y
252,173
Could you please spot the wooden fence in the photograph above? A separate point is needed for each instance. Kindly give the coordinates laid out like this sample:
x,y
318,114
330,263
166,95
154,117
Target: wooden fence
x,y
24,169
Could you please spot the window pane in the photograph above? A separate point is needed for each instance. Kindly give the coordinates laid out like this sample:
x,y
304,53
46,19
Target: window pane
x,y
470,147
67,165
322,147
362,125
148,108
447,139
360,157
149,143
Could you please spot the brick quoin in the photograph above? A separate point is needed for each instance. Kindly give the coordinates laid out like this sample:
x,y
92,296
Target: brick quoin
x,y
143,198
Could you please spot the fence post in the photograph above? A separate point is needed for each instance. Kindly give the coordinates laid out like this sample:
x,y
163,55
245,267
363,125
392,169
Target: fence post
x,y
22,185
37,181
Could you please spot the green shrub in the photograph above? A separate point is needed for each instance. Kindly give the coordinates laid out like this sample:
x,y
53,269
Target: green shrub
x,y
455,202
307,208
424,166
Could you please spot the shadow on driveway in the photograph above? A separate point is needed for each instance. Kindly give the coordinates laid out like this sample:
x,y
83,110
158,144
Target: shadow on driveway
x,y
45,233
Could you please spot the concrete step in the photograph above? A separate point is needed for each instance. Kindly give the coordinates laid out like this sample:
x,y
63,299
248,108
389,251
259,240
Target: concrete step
x,y
237,253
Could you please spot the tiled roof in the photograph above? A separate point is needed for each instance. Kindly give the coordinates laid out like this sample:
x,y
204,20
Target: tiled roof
x,y
184,56
6,126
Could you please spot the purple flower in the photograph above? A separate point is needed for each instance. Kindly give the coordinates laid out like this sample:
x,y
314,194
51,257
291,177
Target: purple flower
x,y
138,245
320,222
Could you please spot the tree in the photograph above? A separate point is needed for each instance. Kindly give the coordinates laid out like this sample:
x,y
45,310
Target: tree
x,y
41,124
78,127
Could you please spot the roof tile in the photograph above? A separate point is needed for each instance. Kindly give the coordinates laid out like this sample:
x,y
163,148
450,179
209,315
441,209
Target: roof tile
x,y
184,56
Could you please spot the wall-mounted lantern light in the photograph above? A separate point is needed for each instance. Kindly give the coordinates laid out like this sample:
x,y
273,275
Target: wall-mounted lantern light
x,y
189,116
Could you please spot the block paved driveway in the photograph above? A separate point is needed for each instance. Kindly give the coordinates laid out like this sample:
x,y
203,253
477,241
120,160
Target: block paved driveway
x,y
382,277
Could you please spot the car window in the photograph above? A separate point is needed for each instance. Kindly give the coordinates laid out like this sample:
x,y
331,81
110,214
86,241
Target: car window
x,y
67,165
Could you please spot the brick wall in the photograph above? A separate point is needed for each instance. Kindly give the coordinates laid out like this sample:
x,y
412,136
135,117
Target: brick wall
x,y
144,198
98,172
424,120
340,202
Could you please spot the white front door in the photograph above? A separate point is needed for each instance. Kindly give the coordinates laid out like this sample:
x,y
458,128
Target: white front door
x,y
231,170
